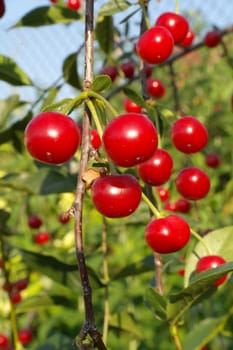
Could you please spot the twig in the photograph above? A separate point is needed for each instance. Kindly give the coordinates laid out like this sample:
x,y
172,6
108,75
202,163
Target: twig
x,y
174,87
89,337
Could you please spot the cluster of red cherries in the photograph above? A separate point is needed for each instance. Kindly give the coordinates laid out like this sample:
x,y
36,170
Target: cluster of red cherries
x,y
130,140
71,4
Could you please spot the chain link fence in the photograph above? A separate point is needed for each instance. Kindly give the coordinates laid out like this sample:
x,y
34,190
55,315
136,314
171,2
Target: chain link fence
x,y
40,51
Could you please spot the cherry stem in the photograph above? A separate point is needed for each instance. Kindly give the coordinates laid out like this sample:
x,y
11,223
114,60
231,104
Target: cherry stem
x,y
177,8
94,115
175,337
151,206
203,242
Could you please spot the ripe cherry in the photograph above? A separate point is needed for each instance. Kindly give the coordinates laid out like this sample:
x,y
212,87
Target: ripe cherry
x,y
210,262
193,183
212,160
64,218
95,139
157,169
188,40
168,234
182,205
21,284
131,106
4,340
52,137
155,88
53,1
42,237
2,8
34,221
16,297
111,71
148,70
155,45
73,4
116,196
176,24
128,69
212,38
189,135
25,336
130,139
170,206
1,263
163,193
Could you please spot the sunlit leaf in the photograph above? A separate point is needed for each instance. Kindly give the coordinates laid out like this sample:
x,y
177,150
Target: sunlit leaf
x,y
204,332
12,73
57,106
101,83
220,243
113,6
202,284
47,15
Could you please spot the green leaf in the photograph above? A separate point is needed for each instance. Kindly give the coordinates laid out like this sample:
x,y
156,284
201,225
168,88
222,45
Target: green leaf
x,y
156,302
49,99
101,83
220,243
47,15
204,332
65,274
36,302
6,107
104,32
57,106
124,322
201,285
135,97
70,71
12,73
113,6
136,268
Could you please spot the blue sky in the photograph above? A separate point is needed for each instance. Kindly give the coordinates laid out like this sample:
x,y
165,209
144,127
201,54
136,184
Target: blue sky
x,y
40,51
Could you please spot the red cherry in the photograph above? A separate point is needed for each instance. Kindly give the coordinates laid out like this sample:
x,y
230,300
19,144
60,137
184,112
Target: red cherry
x,y
170,206
116,196
188,40
42,237
95,139
73,4
128,69
16,297
182,205
158,169
189,135
148,70
131,106
167,235
21,284
25,336
64,218
34,221
52,137
155,45
53,1
155,88
176,24
212,160
181,272
212,38
1,263
163,193
4,340
130,139
111,71
2,8
193,183
210,262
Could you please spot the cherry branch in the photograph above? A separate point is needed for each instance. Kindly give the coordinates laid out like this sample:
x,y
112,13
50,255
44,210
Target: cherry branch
x,y
89,337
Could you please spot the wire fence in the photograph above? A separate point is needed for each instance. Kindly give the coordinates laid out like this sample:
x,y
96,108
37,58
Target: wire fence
x,y
40,51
